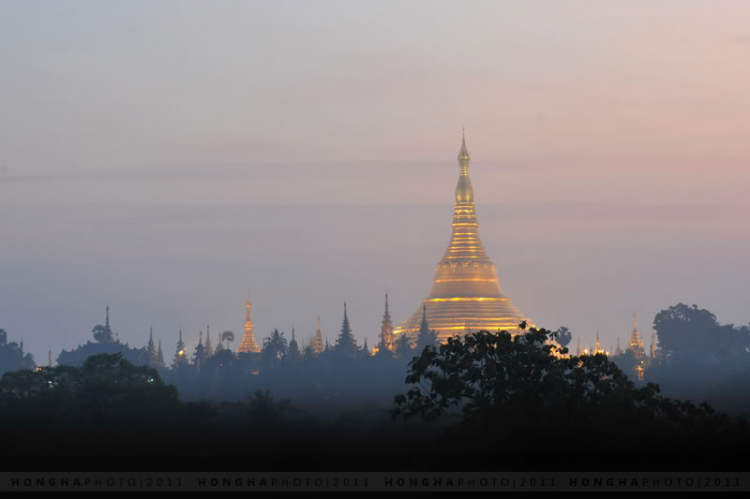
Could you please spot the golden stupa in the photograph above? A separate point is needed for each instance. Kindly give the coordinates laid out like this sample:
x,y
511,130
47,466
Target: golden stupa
x,y
466,295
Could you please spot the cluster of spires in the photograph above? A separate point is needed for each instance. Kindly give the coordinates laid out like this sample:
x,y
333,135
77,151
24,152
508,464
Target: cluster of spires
x,y
635,344
635,347
317,345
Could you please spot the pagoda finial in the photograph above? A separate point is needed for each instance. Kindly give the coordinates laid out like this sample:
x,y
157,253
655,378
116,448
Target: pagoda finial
x,y
635,326
106,321
463,155
151,333
464,190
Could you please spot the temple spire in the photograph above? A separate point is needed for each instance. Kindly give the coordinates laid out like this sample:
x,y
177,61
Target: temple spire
x,y
598,346
386,329
209,347
180,358
318,342
346,342
248,343
463,155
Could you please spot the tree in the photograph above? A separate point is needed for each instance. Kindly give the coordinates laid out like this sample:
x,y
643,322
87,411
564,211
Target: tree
x,y
563,336
264,412
507,385
275,346
227,336
684,328
403,346
103,334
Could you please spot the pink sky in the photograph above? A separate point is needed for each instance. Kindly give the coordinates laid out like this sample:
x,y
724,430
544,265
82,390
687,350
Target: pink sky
x,y
611,137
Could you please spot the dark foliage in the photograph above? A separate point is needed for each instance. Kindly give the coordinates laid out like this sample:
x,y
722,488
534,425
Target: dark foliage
x,y
522,389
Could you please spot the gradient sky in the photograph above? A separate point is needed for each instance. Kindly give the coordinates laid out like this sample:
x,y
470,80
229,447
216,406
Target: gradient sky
x,y
168,157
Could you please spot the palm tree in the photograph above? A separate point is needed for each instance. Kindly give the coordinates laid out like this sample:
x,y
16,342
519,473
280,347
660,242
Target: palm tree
x,y
275,346
227,336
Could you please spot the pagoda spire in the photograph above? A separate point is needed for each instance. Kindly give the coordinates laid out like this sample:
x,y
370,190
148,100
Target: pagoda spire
x,y
209,348
635,344
151,349
463,154
386,329
106,320
50,358
466,288
248,343
160,357
346,342
598,346
318,341
180,357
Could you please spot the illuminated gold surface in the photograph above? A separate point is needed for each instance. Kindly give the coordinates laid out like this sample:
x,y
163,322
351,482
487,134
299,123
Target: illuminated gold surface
x,y
466,293
248,339
318,342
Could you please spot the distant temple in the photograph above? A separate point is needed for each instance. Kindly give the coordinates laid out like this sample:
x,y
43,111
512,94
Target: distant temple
x,y
466,292
635,347
248,339
317,345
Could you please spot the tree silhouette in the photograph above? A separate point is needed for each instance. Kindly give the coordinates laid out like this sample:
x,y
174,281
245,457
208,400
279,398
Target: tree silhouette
x,y
499,383
103,334
563,336
275,346
403,348
264,412
227,336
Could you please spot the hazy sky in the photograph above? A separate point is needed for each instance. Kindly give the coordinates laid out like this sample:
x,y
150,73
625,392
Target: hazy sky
x,y
168,157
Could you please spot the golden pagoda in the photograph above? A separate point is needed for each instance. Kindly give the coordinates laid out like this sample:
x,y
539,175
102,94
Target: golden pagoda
x,y
317,343
248,339
635,346
466,291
